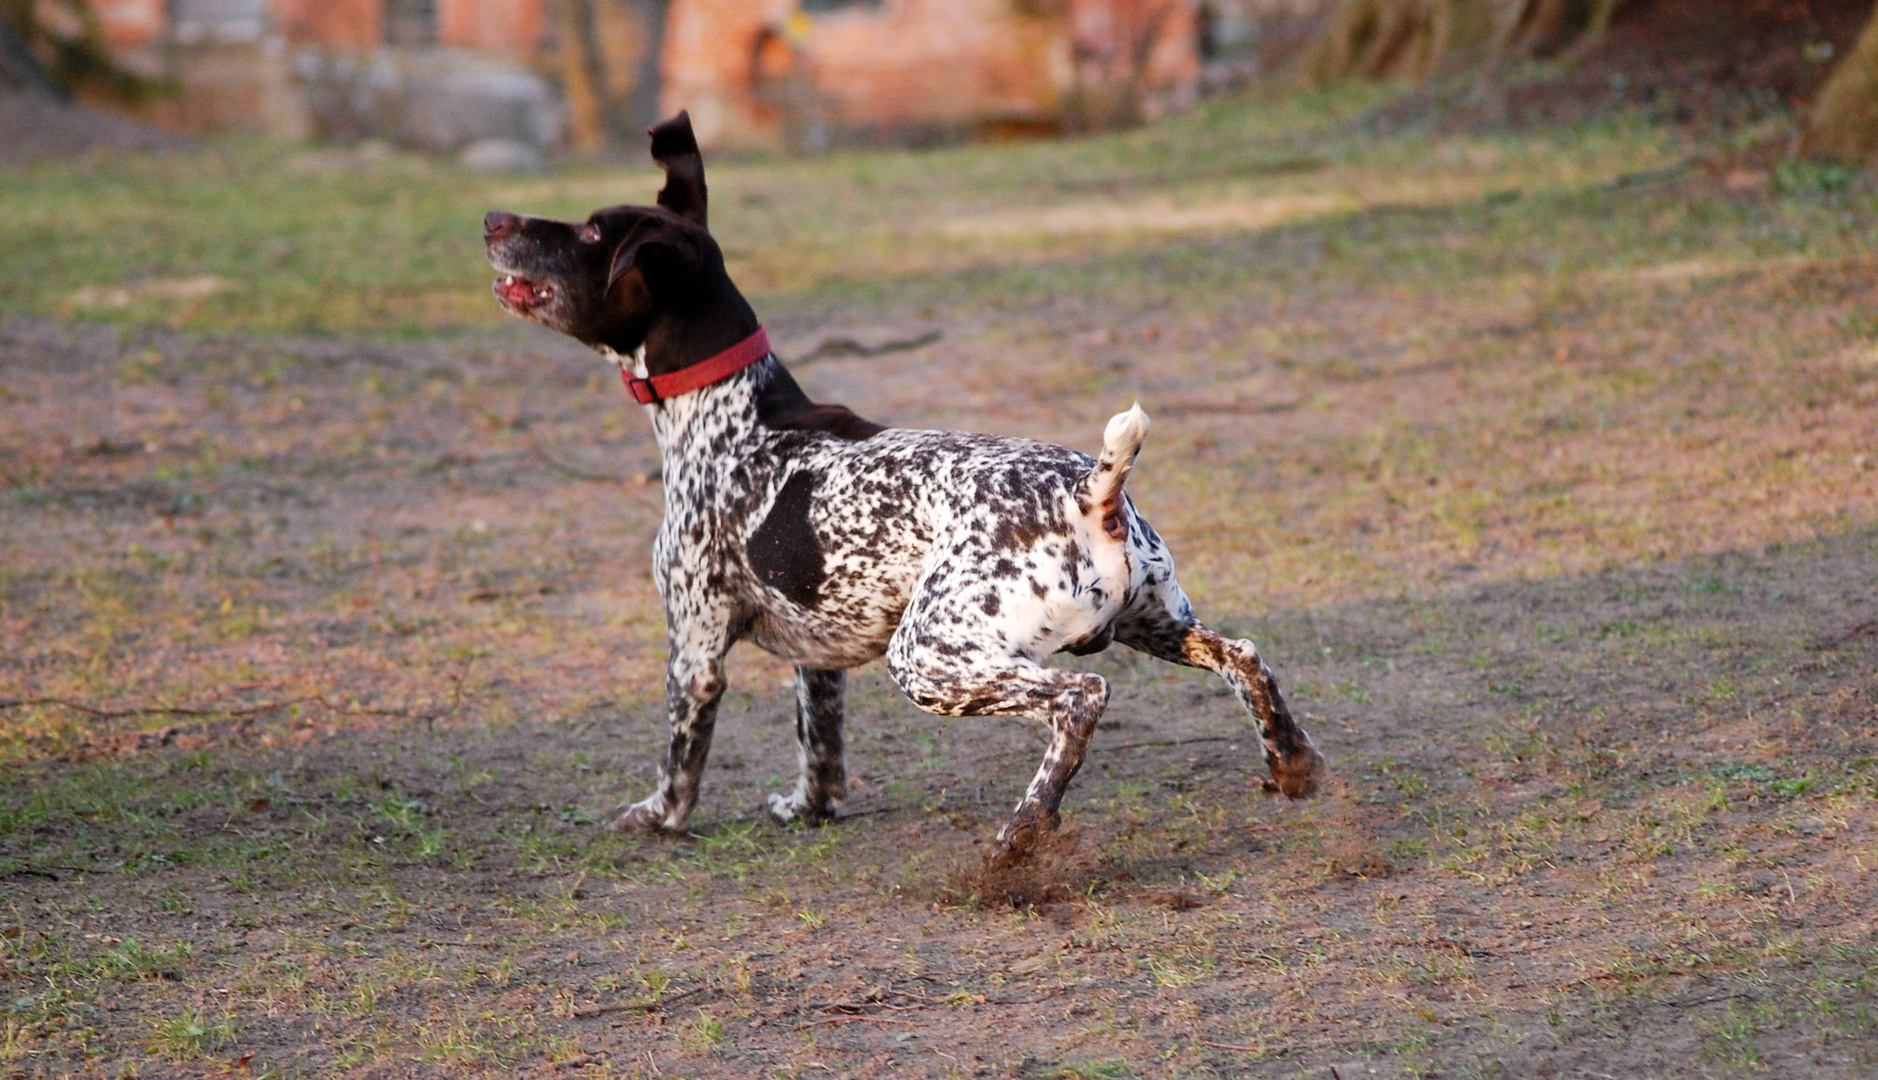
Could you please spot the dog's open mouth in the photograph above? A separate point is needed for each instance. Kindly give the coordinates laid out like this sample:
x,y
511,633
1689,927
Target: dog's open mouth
x,y
520,294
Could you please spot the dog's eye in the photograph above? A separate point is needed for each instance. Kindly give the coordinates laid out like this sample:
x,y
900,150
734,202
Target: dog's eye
x,y
589,233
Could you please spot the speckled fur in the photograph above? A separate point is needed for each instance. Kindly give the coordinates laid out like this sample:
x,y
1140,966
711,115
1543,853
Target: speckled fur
x,y
965,560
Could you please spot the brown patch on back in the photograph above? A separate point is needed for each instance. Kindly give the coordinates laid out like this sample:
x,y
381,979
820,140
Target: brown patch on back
x,y
783,406
837,420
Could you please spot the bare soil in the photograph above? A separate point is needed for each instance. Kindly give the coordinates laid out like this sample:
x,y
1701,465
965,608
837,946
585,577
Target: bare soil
x,y
1615,822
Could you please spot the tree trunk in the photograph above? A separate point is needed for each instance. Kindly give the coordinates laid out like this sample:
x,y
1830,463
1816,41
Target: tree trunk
x,y
579,82
1416,39
20,70
1844,121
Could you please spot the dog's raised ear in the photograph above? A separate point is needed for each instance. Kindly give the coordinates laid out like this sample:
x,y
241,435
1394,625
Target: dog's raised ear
x,y
676,148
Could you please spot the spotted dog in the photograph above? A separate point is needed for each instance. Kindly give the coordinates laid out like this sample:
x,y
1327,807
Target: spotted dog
x,y
831,541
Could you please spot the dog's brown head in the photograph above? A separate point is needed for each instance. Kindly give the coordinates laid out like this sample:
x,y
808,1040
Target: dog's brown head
x,y
628,275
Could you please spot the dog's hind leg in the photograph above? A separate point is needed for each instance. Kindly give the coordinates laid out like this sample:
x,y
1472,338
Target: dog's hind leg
x,y
961,678
820,701
1159,621
694,682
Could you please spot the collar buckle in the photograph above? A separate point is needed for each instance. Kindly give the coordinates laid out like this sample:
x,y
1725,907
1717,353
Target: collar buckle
x,y
642,390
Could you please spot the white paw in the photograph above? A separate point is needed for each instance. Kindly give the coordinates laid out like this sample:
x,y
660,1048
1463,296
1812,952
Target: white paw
x,y
783,809
796,806
646,815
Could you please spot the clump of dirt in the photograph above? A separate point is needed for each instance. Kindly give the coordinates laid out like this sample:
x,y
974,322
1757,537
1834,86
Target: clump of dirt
x,y
1174,899
1051,868
1350,846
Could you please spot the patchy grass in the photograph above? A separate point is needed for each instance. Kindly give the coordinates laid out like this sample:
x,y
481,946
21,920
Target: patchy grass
x,y
1542,469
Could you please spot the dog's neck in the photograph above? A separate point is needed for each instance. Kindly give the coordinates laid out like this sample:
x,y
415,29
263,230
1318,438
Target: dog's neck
x,y
710,317
761,397
730,405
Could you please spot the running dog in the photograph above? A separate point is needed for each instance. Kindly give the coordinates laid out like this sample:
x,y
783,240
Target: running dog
x,y
831,541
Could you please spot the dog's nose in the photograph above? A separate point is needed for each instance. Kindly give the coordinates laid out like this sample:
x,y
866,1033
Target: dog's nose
x,y
499,223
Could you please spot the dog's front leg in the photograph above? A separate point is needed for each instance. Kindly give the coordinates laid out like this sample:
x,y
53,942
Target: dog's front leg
x,y
694,681
821,697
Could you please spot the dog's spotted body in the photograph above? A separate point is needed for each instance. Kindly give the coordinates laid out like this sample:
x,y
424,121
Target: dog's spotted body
x,y
964,559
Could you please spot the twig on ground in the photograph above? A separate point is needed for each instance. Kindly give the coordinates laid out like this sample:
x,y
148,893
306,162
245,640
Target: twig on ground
x,y
1707,1001
1652,176
1457,946
1173,742
574,471
635,1006
1864,629
149,710
860,1020
857,1007
847,346
1192,406
868,812
211,712
46,871
352,710
1230,1046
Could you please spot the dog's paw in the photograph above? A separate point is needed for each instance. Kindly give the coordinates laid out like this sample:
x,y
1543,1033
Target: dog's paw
x,y
647,815
1298,776
794,807
1027,828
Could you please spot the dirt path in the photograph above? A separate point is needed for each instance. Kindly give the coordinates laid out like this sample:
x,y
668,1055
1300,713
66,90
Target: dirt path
x,y
1607,823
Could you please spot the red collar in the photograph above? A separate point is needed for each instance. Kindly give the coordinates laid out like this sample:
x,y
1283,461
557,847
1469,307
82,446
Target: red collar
x,y
698,376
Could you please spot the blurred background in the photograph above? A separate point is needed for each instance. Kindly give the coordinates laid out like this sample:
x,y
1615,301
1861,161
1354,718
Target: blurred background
x,y
508,81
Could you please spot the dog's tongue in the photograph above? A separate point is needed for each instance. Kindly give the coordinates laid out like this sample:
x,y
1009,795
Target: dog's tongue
x,y
516,290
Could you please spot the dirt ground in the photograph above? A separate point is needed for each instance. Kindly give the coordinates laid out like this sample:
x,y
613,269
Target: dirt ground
x,y
1544,473
1600,823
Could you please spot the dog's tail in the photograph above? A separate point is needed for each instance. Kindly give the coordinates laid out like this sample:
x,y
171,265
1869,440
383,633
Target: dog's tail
x,y
1102,488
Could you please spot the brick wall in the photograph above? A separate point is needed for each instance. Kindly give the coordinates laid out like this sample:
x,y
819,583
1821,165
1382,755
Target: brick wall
x,y
755,72
760,72
131,25
511,28
333,24
708,66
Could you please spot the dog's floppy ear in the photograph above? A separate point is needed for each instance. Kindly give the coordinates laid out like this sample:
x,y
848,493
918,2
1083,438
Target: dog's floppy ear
x,y
665,258
676,148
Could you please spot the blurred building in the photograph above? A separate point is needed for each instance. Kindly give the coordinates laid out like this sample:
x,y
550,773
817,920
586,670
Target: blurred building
x,y
435,73
796,73
812,72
